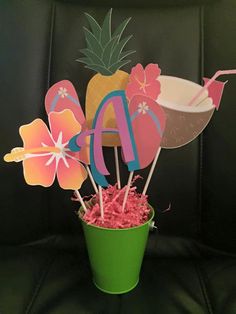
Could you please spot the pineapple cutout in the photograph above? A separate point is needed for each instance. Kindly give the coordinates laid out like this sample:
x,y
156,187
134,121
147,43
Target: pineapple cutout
x,y
104,54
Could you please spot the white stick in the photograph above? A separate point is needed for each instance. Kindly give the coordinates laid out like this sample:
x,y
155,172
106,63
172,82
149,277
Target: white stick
x,y
101,201
151,171
127,190
214,77
117,167
91,179
81,200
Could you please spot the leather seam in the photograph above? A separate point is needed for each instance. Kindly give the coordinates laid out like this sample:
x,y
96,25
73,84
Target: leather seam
x,y
200,188
44,273
203,289
51,43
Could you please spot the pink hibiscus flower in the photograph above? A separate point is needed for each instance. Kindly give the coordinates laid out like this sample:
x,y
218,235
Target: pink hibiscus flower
x,y
46,154
144,81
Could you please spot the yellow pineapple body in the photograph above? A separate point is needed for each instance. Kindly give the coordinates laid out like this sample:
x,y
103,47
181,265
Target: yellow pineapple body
x,y
98,87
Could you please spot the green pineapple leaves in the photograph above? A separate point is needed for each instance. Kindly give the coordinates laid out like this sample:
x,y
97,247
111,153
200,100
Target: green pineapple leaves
x,y
104,53
107,52
126,54
93,44
106,29
120,29
95,27
99,69
119,64
118,49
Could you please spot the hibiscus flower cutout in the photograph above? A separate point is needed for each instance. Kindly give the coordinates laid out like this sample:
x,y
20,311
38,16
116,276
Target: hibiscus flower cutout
x,y
46,155
144,81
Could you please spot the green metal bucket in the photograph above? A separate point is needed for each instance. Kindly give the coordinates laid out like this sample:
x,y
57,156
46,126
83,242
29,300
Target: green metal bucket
x,y
116,255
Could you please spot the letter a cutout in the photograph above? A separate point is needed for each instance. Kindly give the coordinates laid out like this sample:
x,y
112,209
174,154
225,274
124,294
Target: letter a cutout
x,y
124,129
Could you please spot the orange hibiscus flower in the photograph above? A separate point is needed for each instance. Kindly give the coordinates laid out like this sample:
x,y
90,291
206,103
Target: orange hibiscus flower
x,y
46,155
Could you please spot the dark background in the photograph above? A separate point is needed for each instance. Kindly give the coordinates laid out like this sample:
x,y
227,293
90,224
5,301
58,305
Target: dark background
x,y
40,41
189,265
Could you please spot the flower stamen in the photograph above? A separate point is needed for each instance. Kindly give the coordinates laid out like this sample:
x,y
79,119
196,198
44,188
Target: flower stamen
x,y
19,153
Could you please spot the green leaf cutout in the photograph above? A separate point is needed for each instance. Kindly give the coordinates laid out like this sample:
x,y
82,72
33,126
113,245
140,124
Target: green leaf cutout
x,y
114,67
106,29
120,29
118,49
125,54
100,69
91,55
85,60
95,27
104,53
93,43
108,50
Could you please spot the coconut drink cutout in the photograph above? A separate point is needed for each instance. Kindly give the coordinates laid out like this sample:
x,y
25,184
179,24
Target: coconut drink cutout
x,y
184,123
188,106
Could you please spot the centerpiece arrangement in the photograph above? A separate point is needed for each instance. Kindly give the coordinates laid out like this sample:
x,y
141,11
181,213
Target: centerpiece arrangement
x,y
141,112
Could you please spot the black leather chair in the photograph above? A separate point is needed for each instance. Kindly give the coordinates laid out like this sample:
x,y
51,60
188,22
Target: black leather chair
x,y
190,264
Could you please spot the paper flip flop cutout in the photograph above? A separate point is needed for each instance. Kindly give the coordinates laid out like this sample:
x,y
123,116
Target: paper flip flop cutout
x,y
63,95
148,122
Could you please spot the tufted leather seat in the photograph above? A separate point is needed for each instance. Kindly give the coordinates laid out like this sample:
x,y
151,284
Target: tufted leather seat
x,y
190,264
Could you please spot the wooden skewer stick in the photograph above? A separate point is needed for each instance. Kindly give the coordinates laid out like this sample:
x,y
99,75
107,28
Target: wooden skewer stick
x,y
92,179
101,201
127,190
151,171
81,200
117,167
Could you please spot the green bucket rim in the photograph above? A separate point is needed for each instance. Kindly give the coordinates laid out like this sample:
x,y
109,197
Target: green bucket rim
x,y
152,214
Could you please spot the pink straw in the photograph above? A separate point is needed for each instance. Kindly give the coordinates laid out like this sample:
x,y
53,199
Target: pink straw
x,y
214,77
